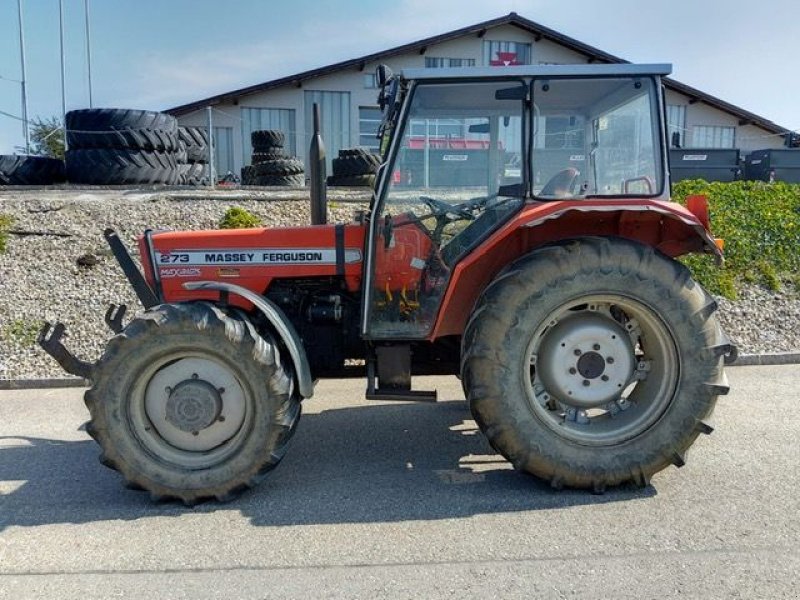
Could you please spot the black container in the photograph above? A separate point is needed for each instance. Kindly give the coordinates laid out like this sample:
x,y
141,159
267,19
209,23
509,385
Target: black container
x,y
710,164
774,164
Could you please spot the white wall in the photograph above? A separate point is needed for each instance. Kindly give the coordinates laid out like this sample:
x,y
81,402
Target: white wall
x,y
291,96
747,137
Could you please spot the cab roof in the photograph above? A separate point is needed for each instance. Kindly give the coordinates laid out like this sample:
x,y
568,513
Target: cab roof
x,y
595,70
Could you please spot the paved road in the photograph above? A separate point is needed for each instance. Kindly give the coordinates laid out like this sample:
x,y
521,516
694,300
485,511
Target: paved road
x,y
408,501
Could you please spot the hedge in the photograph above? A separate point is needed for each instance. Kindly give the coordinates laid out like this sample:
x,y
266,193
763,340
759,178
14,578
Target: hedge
x,y
760,223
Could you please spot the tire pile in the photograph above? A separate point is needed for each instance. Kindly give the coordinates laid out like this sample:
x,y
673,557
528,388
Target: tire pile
x,y
354,167
30,170
270,165
109,146
193,156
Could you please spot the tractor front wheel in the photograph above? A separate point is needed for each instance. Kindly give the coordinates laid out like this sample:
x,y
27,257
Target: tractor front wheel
x,y
593,363
189,402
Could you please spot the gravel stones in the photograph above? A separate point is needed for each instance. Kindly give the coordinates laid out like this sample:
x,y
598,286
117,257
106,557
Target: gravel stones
x,y
41,280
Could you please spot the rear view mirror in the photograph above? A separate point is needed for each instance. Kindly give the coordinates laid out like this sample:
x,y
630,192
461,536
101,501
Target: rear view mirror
x,y
382,75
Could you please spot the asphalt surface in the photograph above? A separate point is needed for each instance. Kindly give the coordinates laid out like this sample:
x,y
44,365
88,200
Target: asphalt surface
x,y
378,500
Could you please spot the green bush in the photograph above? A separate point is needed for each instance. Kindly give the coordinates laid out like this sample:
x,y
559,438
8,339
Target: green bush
x,y
5,223
239,218
760,224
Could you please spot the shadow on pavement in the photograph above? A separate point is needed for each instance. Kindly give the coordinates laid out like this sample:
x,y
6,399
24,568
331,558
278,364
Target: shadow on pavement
x,y
367,464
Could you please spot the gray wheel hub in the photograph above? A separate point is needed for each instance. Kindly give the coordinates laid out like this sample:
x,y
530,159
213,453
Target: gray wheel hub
x,y
586,360
193,405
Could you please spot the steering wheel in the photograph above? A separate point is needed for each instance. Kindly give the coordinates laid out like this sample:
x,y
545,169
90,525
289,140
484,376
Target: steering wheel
x,y
446,213
440,209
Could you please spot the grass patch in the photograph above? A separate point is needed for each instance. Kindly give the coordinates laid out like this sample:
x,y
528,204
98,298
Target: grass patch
x,y
760,224
239,218
22,332
5,224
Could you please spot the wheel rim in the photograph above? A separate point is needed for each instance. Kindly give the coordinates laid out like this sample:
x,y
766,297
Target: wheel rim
x,y
191,409
601,369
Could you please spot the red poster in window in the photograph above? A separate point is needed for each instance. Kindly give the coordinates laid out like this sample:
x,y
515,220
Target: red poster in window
x,y
504,59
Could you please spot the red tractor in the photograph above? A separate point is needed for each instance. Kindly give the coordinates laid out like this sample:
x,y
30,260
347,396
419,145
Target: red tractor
x,y
537,264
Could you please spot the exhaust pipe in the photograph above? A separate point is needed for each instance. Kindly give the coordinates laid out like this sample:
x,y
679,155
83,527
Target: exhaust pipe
x,y
319,190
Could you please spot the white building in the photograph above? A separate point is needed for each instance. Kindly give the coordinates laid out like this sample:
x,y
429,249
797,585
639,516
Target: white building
x,y
347,96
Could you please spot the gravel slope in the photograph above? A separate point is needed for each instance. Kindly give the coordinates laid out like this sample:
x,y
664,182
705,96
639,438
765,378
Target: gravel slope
x,y
40,280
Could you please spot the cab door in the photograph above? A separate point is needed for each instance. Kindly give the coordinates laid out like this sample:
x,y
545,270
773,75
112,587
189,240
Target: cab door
x,y
455,174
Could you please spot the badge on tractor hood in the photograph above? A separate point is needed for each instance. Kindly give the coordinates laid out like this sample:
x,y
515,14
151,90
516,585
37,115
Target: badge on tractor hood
x,y
258,256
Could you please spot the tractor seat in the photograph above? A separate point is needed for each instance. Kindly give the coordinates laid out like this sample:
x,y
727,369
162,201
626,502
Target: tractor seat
x,y
561,184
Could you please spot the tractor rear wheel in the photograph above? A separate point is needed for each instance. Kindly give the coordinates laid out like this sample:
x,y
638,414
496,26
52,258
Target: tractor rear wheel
x,y
191,403
594,362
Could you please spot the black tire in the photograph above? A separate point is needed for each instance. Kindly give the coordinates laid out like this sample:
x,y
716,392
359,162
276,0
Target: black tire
x,y
279,180
267,138
353,152
247,175
198,174
527,388
196,140
278,167
181,154
352,181
121,128
273,154
31,170
194,174
153,449
183,170
366,164
109,166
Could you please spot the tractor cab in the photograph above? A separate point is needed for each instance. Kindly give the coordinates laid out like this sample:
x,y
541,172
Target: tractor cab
x,y
466,148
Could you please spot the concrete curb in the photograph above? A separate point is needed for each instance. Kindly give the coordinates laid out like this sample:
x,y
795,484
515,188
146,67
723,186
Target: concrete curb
x,y
744,360
748,360
42,384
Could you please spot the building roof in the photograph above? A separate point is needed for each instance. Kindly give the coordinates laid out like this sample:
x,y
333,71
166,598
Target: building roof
x,y
591,53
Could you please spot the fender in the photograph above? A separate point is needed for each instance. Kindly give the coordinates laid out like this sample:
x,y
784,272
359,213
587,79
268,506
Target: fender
x,y
278,320
666,226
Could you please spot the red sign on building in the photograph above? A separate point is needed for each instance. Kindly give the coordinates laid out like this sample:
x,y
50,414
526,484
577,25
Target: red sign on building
x,y
504,59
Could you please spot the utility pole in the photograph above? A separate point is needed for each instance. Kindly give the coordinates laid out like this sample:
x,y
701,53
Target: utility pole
x,y
211,179
23,83
63,72
88,49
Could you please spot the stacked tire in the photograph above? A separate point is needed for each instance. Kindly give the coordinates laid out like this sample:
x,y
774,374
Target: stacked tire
x,y
354,167
193,166
109,146
270,164
30,170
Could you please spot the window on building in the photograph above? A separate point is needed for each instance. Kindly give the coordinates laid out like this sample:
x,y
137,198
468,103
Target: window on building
x,y
369,119
676,125
433,62
498,54
281,119
370,81
334,109
713,136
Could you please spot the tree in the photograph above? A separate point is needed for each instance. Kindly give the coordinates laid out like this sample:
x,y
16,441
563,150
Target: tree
x,y
47,137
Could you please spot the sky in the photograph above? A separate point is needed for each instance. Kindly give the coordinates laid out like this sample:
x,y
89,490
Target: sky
x,y
155,54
